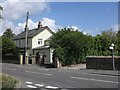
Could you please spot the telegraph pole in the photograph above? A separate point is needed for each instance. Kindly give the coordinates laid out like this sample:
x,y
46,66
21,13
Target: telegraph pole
x,y
26,32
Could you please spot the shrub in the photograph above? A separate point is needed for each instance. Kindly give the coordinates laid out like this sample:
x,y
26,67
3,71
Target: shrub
x,y
8,82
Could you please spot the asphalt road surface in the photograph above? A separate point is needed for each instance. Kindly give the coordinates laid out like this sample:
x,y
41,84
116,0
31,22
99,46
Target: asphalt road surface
x,y
33,76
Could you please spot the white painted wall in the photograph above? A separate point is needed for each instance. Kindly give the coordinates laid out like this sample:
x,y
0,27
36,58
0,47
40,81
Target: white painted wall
x,y
43,35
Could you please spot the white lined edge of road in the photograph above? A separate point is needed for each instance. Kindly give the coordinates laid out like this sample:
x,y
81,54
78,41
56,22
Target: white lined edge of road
x,y
94,80
25,67
92,74
8,68
96,74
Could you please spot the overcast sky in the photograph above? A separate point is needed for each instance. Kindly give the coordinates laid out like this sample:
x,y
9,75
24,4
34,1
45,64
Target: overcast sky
x,y
89,17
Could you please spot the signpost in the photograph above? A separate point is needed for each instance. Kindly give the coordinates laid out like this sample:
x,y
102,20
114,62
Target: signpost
x,y
113,61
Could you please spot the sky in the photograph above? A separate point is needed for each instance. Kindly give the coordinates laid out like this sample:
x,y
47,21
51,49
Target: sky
x,y
89,17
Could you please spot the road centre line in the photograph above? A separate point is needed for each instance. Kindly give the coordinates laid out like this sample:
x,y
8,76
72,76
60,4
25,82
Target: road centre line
x,y
32,72
39,73
94,80
46,74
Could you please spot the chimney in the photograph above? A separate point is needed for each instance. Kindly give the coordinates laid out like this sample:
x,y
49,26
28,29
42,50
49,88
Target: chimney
x,y
39,25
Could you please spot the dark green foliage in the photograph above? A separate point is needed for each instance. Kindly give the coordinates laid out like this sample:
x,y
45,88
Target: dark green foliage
x,y
101,43
118,42
8,46
1,9
8,33
70,46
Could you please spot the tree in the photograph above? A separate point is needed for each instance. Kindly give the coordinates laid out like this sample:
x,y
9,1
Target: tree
x,y
8,33
1,9
70,46
101,43
118,41
8,46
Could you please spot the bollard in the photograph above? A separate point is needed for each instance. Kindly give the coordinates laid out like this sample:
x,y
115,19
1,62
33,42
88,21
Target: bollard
x,y
21,59
33,59
26,59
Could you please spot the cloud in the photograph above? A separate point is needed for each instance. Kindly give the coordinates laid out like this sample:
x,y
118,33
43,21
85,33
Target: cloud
x,y
14,10
51,23
31,24
8,24
17,10
115,27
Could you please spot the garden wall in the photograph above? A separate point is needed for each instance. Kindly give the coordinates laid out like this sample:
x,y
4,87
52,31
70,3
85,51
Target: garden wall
x,y
10,59
102,62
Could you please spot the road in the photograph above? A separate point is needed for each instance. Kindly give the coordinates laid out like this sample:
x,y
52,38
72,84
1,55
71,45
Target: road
x,y
33,76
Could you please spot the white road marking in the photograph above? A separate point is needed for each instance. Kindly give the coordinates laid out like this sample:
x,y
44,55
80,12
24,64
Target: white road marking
x,y
30,86
38,73
29,82
91,74
8,68
40,85
46,74
18,66
43,69
51,87
94,80
32,72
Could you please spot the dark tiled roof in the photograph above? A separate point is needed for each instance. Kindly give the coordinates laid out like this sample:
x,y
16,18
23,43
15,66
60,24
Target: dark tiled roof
x,y
31,33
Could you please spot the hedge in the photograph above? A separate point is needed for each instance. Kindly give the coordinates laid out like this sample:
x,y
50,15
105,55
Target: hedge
x,y
8,82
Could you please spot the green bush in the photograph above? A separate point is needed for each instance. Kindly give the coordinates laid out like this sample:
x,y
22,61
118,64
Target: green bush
x,y
8,82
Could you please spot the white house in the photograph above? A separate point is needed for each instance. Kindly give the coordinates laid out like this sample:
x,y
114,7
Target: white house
x,y
38,43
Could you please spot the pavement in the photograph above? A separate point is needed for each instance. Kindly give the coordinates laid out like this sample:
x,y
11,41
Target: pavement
x,y
35,76
94,71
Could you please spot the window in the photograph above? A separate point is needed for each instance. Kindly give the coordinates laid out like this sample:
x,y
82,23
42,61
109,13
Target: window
x,y
19,43
39,41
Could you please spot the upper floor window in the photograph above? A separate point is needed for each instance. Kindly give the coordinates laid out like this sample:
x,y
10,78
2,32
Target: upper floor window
x,y
39,41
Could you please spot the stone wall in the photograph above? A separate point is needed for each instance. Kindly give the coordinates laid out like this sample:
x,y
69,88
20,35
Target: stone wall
x,y
102,62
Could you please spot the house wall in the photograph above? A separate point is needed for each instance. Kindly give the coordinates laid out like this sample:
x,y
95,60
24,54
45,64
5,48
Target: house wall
x,y
21,43
49,54
43,35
